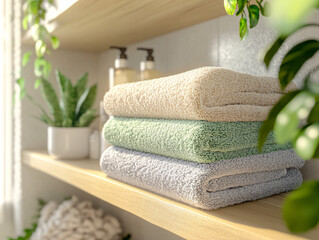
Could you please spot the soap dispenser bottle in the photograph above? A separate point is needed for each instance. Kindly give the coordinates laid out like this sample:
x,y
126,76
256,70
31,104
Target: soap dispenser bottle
x,y
121,73
147,68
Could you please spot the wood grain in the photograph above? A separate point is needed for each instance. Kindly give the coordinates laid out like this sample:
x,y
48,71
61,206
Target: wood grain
x,y
255,220
94,25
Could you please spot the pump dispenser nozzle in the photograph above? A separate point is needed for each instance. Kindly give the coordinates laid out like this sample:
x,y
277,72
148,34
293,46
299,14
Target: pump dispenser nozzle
x,y
122,54
150,51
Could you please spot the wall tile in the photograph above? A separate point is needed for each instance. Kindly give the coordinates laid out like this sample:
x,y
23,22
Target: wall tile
x,y
243,56
246,56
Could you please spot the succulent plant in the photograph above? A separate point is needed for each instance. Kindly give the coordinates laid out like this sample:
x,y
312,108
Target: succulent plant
x,y
72,107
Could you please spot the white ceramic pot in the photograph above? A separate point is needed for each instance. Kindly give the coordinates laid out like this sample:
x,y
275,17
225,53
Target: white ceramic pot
x,y
69,143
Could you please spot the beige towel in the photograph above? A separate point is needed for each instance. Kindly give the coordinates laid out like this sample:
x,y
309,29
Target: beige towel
x,y
208,93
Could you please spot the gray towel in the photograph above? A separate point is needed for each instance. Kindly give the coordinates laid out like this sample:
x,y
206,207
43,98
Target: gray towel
x,y
207,186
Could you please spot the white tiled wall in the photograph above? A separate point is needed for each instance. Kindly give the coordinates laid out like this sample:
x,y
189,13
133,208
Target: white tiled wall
x,y
212,43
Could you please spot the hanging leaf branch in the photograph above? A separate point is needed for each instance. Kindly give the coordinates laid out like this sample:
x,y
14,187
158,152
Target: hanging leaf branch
x,y
34,21
295,117
247,11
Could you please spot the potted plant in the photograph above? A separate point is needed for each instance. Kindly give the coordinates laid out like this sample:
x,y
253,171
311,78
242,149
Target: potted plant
x,y
71,116
71,110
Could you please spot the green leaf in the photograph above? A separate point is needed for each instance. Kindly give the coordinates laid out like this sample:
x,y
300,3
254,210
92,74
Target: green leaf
x,y
23,91
253,11
39,32
301,207
67,122
46,69
314,114
26,58
21,83
40,48
42,68
316,155
38,63
42,14
41,203
241,6
52,101
35,33
61,79
269,123
37,83
67,93
44,117
294,60
80,86
55,42
43,32
273,50
243,31
286,126
69,100
230,6
287,15
88,100
33,7
87,118
307,141
81,101
25,22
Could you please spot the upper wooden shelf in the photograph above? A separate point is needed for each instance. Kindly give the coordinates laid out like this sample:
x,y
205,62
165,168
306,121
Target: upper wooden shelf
x,y
248,221
94,25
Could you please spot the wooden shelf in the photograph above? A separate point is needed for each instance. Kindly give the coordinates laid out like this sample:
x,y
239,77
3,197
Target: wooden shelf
x,y
254,220
94,25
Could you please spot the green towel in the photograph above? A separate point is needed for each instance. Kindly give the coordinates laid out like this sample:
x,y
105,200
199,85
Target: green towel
x,y
197,141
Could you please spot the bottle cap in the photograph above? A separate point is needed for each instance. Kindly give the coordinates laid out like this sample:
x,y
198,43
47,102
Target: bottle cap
x,y
150,51
122,54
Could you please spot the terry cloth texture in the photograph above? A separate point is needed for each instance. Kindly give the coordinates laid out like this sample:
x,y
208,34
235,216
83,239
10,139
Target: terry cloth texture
x,y
208,93
207,186
198,141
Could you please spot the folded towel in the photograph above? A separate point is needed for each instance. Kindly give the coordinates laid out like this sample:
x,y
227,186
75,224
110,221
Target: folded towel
x,y
244,179
198,141
207,186
208,93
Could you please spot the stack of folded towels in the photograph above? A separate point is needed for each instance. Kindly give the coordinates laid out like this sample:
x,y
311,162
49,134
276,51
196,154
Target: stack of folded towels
x,y
193,137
